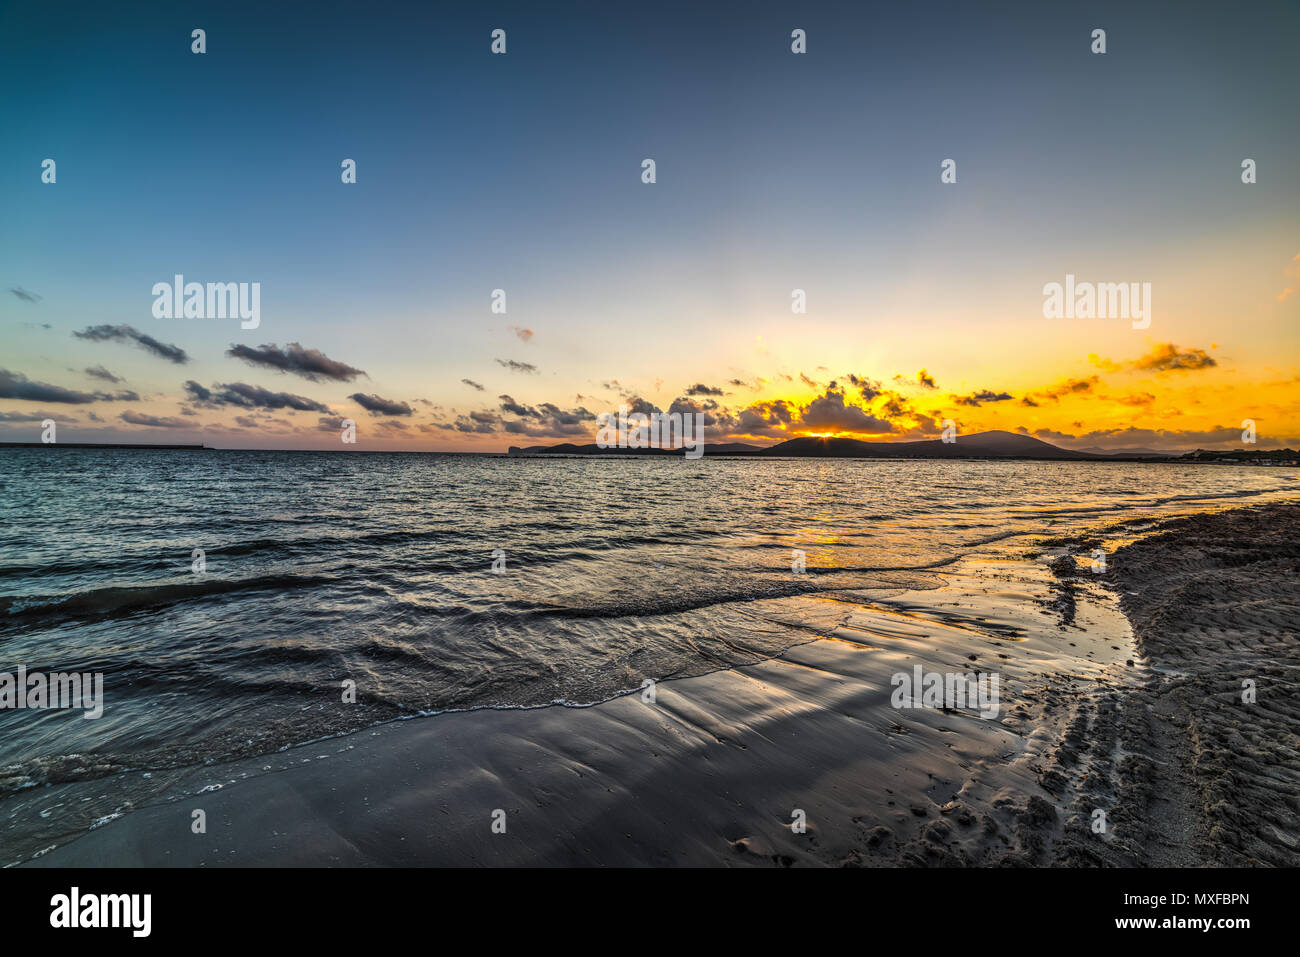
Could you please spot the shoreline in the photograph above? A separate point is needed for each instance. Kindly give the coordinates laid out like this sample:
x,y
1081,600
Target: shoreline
x,y
712,772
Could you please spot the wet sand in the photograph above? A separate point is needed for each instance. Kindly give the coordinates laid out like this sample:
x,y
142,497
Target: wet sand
x,y
1141,724
1204,778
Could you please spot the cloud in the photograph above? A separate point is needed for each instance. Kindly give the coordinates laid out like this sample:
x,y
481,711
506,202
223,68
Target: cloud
x,y
15,385
923,379
472,384
514,366
1164,357
701,389
1069,387
37,417
766,418
99,372
125,333
246,396
523,334
475,423
377,405
311,364
545,419
829,412
984,395
24,294
1106,365
1167,357
867,388
1136,398
140,418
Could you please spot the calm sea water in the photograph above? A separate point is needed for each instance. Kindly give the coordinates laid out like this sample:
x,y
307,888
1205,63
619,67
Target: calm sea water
x,y
375,568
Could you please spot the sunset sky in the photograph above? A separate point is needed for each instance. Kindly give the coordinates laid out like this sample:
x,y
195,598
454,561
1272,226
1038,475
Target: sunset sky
x,y
775,172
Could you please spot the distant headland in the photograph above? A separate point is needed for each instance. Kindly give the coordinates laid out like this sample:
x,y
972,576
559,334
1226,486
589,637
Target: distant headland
x,y
994,444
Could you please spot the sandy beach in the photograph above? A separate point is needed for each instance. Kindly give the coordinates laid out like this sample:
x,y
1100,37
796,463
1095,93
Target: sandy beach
x,y
1203,777
1149,730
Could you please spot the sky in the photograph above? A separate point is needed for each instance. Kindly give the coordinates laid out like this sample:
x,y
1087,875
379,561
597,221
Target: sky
x,y
774,172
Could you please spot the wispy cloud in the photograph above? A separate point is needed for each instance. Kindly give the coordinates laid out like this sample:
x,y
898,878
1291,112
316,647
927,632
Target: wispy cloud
x,y
99,372
130,334
514,366
24,294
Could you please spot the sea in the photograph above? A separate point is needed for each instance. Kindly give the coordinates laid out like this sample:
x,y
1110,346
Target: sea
x,y
239,603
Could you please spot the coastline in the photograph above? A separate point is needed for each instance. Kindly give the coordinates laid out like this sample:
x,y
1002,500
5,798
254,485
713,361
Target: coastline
x,y
712,771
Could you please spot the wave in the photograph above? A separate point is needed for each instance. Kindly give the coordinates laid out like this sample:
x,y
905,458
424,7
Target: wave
x,y
123,600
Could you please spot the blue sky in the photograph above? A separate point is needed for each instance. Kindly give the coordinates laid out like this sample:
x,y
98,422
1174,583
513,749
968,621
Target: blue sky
x,y
522,172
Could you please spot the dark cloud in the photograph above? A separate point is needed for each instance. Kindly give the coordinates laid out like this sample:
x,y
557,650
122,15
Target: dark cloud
x,y
311,364
923,380
637,404
472,384
984,395
514,366
829,411
377,405
37,417
544,420
246,396
125,333
140,418
15,385
484,423
701,389
868,388
766,418
24,294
